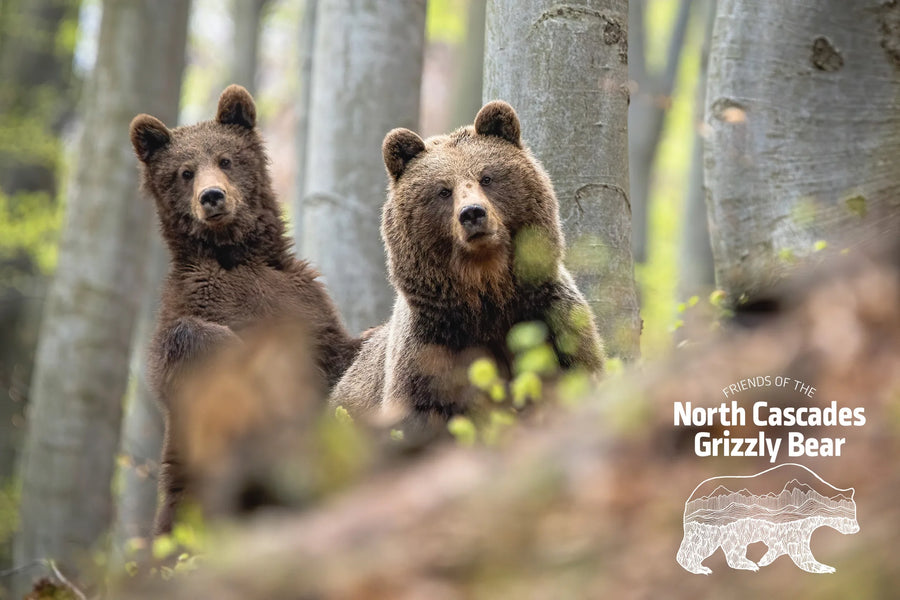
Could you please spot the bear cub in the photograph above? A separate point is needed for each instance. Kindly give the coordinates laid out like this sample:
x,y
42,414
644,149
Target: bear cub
x,y
231,268
474,246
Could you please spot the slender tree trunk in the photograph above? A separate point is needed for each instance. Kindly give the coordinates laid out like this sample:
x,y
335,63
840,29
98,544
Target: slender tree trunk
x,y
575,121
82,359
36,93
650,102
696,272
307,32
367,72
469,78
804,130
246,16
142,427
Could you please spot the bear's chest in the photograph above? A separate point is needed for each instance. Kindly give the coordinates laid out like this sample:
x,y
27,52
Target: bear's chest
x,y
462,327
239,296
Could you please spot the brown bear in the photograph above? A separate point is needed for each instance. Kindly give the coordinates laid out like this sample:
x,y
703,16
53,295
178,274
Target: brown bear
x,y
232,267
474,246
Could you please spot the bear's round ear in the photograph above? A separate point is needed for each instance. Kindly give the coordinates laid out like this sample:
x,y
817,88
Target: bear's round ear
x,y
148,135
500,119
400,146
236,107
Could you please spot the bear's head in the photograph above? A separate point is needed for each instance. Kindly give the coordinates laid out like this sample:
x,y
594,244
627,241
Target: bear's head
x,y
473,206
210,180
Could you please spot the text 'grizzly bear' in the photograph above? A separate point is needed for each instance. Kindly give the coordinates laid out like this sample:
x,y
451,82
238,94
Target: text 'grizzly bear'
x,y
474,246
231,264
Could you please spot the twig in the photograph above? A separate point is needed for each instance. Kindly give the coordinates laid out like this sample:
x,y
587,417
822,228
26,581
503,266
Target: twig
x,y
20,568
52,565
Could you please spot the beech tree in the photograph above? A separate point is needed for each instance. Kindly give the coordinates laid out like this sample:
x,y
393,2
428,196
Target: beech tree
x,y
804,126
575,121
367,71
36,97
83,353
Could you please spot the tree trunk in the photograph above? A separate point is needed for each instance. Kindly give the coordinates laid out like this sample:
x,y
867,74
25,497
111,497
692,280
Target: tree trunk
x,y
650,101
696,272
36,96
804,130
575,121
142,427
83,354
246,16
306,45
469,77
367,72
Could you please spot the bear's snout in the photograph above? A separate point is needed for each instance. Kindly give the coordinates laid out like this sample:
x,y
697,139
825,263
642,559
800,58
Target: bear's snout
x,y
473,218
212,200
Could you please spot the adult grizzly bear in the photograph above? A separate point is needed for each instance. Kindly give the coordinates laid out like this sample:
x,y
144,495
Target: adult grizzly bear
x,y
474,246
231,263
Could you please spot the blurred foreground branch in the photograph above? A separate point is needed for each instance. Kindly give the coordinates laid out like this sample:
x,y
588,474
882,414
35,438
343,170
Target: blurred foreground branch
x,y
589,502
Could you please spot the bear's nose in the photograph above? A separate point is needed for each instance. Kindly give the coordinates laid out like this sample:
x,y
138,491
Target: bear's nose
x,y
472,217
212,197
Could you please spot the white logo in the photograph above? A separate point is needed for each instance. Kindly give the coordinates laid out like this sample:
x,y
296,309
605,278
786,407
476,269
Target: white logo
x,y
716,515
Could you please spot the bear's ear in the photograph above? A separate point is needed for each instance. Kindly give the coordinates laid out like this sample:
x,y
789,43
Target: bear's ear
x,y
148,135
400,146
236,107
500,119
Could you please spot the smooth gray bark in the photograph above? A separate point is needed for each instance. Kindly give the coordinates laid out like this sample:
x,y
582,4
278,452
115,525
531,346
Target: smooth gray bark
x,y
83,354
469,77
367,72
804,130
575,121
36,92
650,101
246,16
696,271
142,427
306,46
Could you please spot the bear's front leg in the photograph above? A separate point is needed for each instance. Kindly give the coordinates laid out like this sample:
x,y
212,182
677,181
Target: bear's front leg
x,y
575,336
179,344
175,348
172,484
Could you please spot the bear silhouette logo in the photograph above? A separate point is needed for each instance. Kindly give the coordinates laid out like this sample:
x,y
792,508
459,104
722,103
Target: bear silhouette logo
x,y
780,507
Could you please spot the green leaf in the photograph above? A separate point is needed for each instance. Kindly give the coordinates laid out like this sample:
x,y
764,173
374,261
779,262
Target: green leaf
x,y
163,547
498,392
463,430
573,386
717,297
857,205
482,373
527,335
541,360
342,416
525,387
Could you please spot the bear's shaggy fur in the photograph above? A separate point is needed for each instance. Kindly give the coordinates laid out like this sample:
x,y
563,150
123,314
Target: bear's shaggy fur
x,y
474,246
231,263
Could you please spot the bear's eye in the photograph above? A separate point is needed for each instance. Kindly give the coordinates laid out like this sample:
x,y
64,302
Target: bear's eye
x,y
445,193
187,174
224,163
486,180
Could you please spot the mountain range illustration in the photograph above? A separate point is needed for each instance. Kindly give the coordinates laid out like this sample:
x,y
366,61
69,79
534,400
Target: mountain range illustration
x,y
716,516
